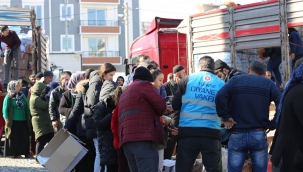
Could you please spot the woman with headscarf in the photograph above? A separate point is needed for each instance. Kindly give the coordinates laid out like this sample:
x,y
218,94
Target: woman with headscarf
x,y
17,121
287,146
41,121
69,96
52,86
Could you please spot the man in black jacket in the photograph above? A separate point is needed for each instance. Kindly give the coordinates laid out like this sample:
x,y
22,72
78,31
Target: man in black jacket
x,y
55,99
171,88
227,72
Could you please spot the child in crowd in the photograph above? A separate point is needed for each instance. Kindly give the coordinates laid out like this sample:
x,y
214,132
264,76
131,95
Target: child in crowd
x,y
122,161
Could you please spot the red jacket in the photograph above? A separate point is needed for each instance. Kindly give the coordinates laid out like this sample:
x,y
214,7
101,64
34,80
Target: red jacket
x,y
115,128
139,109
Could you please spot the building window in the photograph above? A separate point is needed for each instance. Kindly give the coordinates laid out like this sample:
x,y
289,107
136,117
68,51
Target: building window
x,y
96,47
70,11
96,17
38,10
69,44
3,6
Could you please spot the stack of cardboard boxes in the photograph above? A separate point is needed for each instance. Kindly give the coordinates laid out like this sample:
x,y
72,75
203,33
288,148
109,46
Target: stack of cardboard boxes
x,y
25,65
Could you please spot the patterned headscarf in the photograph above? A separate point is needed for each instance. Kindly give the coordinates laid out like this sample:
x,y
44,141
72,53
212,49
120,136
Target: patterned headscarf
x,y
11,92
75,78
296,78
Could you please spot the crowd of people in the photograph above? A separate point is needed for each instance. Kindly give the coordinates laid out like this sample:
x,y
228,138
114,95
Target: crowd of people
x,y
135,125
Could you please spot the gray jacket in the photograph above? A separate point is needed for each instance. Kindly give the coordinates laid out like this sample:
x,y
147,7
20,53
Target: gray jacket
x,y
54,102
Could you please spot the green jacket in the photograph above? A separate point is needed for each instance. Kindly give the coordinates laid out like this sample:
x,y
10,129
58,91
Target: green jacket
x,y
39,110
11,112
19,113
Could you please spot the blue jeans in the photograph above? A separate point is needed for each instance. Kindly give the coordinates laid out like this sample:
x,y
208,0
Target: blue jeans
x,y
254,142
273,68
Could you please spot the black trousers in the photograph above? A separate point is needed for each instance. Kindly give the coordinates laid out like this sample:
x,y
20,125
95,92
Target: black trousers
x,y
42,141
171,143
190,147
87,163
112,168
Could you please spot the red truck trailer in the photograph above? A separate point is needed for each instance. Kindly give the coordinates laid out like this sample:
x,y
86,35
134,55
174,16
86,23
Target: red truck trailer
x,y
162,43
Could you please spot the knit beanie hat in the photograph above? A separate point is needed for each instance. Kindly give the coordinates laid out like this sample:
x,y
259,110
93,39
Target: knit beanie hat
x,y
219,64
143,73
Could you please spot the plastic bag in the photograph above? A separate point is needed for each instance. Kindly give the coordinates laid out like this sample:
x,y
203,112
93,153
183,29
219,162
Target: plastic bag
x,y
269,166
224,152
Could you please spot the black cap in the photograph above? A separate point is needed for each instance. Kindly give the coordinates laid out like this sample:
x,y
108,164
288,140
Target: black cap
x,y
48,73
219,64
143,73
177,68
39,75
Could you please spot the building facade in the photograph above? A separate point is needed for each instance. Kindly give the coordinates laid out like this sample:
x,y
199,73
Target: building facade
x,y
94,35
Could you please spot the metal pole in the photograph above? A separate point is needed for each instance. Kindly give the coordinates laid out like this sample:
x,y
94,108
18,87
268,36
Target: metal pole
x,y
125,5
190,53
66,27
284,41
233,53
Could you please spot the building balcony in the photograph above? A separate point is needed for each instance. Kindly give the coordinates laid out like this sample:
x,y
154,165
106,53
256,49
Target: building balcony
x,y
93,58
99,26
100,1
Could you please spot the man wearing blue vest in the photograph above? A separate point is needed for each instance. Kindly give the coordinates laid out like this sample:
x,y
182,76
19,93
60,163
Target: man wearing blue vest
x,y
199,126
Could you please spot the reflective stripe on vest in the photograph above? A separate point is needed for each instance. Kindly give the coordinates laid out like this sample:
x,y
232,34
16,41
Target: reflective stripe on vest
x,y
199,102
200,116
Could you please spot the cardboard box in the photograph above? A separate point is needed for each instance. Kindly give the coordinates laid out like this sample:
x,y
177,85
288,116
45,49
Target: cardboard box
x,y
23,62
27,48
22,73
62,153
2,69
28,56
1,78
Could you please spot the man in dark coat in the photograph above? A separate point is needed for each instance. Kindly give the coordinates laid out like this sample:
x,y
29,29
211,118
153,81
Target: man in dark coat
x,y
295,45
227,72
55,99
171,88
287,147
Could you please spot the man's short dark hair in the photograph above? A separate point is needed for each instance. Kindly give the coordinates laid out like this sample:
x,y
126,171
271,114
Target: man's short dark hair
x,y
145,57
257,67
32,76
67,72
170,76
153,65
4,28
87,73
207,63
39,75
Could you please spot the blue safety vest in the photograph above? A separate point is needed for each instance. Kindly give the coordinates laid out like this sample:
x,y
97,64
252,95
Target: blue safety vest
x,y
198,102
